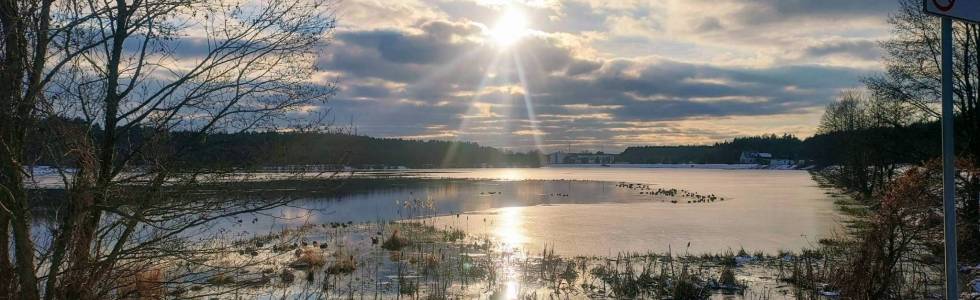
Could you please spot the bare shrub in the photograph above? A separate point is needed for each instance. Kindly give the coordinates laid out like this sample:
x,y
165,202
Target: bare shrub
x,y
902,238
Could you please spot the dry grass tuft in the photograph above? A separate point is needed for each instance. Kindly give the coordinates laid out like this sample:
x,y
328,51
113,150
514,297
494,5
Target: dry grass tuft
x,y
309,258
395,242
345,265
146,284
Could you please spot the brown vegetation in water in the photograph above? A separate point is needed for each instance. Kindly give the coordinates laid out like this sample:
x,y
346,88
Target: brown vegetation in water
x,y
308,257
343,265
395,242
147,284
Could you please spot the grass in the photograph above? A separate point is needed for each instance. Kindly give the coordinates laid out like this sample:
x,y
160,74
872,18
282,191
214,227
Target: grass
x,y
345,265
221,279
308,258
419,261
145,284
395,242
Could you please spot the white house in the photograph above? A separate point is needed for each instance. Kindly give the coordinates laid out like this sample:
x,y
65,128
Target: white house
x,y
748,157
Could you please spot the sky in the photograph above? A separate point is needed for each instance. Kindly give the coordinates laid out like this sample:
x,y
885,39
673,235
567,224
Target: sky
x,y
594,75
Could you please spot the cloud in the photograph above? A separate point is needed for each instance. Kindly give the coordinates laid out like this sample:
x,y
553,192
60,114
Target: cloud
x,y
438,40
581,67
709,24
860,49
614,72
760,11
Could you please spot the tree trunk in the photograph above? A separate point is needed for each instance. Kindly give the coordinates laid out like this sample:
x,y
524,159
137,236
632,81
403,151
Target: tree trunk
x,y
80,227
94,190
13,123
5,266
24,253
59,248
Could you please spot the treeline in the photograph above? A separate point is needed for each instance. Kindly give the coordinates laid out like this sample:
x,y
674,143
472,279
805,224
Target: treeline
x,y
894,145
906,144
785,147
900,144
270,149
312,148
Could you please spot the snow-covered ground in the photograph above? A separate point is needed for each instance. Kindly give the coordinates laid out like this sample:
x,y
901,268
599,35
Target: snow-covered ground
x,y
46,176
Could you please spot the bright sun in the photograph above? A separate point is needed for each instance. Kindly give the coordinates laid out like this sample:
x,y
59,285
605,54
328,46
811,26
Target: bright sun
x,y
510,28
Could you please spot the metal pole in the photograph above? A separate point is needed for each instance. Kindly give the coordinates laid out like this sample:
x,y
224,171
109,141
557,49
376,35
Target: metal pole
x,y
949,173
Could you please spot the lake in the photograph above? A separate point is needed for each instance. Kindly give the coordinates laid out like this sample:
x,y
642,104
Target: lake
x,y
586,211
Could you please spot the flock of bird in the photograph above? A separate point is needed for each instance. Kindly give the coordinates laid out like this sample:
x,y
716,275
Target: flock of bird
x,y
645,189
297,246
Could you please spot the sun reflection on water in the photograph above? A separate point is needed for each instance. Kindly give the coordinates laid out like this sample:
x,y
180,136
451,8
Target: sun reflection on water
x,y
512,289
510,231
511,175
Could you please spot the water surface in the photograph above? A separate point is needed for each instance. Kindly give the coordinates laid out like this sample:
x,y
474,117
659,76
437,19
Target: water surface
x,y
584,211
768,210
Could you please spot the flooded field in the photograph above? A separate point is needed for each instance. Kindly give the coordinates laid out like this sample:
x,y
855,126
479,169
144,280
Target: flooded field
x,y
591,211
521,234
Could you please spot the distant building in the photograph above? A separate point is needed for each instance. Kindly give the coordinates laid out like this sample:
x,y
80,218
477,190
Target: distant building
x,y
749,157
584,158
782,162
557,158
762,158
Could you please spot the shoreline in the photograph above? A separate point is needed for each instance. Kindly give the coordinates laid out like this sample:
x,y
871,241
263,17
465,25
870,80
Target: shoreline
x,y
679,166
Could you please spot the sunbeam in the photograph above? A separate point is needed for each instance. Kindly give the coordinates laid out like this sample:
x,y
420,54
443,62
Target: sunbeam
x,y
511,28
464,122
447,69
528,103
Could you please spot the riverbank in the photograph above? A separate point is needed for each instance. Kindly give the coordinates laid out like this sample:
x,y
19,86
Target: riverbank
x,y
685,166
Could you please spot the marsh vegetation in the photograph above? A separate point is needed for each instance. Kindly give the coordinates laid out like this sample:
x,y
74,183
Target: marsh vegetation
x,y
414,260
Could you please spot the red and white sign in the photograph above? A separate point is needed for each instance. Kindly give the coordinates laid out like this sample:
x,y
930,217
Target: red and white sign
x,y
966,10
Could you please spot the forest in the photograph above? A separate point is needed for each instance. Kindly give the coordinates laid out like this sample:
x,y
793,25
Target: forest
x,y
277,149
728,152
905,144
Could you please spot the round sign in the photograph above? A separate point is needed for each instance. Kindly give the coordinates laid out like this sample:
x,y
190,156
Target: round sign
x,y
944,6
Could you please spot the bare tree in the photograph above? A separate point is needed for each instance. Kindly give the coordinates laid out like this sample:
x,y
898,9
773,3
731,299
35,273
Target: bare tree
x,y
914,69
23,25
860,130
135,72
913,76
847,114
